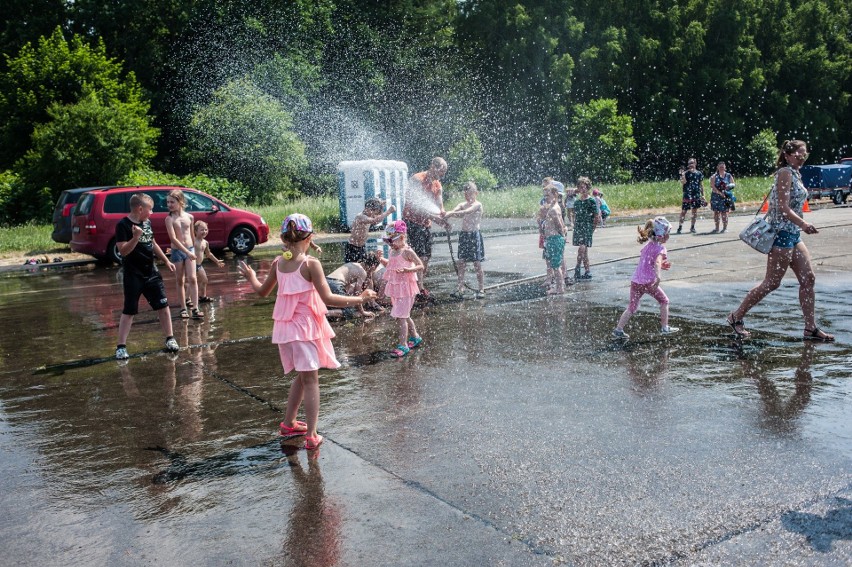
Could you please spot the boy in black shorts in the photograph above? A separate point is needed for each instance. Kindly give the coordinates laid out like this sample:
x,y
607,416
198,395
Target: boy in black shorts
x,y
134,238
471,247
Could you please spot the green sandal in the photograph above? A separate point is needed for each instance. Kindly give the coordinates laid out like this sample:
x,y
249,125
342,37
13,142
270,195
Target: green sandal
x,y
400,351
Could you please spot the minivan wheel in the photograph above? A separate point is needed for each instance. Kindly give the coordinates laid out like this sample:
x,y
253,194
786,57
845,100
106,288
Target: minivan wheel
x,y
242,240
112,252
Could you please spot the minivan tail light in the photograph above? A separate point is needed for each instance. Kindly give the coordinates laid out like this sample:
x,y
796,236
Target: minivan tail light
x,y
66,210
91,228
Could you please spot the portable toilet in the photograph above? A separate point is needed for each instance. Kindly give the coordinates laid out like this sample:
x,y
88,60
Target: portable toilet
x,y
358,181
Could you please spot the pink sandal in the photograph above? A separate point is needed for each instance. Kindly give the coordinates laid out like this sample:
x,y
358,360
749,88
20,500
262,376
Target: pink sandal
x,y
312,443
286,431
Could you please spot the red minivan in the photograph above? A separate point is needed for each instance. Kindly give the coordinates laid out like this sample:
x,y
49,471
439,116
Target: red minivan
x,y
98,211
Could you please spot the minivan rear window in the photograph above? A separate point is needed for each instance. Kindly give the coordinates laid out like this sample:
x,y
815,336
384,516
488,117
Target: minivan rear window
x,y
117,203
84,206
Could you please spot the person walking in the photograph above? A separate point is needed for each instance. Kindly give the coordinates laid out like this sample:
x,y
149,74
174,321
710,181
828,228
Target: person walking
x,y
786,199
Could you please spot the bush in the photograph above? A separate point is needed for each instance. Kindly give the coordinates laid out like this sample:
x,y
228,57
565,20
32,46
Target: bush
x,y
762,152
231,192
18,203
247,135
85,144
602,142
53,74
480,175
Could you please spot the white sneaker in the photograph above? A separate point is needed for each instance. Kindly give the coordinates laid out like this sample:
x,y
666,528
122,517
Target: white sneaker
x,y
121,353
669,330
619,334
172,345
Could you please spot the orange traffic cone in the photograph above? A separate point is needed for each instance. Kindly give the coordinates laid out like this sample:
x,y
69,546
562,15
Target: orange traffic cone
x,y
806,208
765,207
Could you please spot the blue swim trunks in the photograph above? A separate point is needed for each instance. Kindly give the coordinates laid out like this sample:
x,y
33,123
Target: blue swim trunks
x,y
786,239
179,256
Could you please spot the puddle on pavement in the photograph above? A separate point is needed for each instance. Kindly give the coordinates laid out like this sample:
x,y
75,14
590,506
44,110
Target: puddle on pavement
x,y
174,426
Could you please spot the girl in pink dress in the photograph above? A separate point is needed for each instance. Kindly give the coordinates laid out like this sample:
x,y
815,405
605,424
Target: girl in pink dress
x,y
300,329
646,278
401,287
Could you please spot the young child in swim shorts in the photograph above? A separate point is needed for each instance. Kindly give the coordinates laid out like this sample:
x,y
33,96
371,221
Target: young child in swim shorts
x,y
471,246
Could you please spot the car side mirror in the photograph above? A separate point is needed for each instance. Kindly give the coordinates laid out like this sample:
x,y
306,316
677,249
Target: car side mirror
x,y
214,209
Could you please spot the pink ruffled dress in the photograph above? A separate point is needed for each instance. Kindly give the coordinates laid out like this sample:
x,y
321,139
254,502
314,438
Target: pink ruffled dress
x,y
300,328
401,288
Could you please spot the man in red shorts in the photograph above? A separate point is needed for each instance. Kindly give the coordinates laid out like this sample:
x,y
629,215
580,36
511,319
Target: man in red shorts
x,y
424,203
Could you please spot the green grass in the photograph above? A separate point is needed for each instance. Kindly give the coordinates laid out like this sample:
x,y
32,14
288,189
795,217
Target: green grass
x,y
29,239
323,212
33,239
523,201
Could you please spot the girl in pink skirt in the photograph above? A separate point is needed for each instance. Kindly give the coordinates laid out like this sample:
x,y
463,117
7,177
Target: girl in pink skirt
x,y
401,287
300,329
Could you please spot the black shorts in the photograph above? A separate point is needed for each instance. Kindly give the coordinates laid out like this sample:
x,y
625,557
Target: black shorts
x,y
420,239
150,286
471,247
353,253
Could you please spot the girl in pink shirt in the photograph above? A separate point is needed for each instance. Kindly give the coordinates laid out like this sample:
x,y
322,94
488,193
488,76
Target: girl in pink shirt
x,y
300,328
646,278
401,286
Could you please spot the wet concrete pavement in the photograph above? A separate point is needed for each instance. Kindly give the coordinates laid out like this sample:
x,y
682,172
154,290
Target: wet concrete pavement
x,y
518,435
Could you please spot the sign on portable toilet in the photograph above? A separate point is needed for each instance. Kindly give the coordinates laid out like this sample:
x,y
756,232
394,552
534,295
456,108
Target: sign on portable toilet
x,y
358,181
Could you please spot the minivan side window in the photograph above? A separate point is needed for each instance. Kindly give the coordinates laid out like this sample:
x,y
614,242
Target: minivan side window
x,y
159,198
196,202
84,205
117,203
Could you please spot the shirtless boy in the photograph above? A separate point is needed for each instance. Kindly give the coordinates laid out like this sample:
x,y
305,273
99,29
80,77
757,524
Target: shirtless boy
x,y
554,240
179,228
351,279
471,247
355,250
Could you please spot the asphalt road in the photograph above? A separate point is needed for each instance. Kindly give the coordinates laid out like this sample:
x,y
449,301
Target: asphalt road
x,y
519,434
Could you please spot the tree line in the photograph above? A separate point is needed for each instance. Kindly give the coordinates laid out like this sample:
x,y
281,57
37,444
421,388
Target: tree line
x,y
263,98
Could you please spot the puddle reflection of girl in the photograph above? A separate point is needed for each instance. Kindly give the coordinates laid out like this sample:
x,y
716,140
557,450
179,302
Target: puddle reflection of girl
x,y
314,526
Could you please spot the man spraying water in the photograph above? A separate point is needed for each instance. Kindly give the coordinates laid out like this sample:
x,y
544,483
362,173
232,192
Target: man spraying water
x,y
424,203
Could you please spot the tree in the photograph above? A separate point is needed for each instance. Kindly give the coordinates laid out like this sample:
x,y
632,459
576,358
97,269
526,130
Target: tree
x,y
466,163
246,135
60,72
87,143
602,142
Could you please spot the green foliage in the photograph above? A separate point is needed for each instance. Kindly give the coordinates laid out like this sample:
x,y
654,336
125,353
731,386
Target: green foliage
x,y
697,78
231,192
464,153
28,239
480,175
602,142
466,157
762,152
324,212
247,135
86,144
57,72
19,203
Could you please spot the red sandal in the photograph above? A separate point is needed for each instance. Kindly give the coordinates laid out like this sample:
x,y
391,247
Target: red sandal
x,y
286,431
312,443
